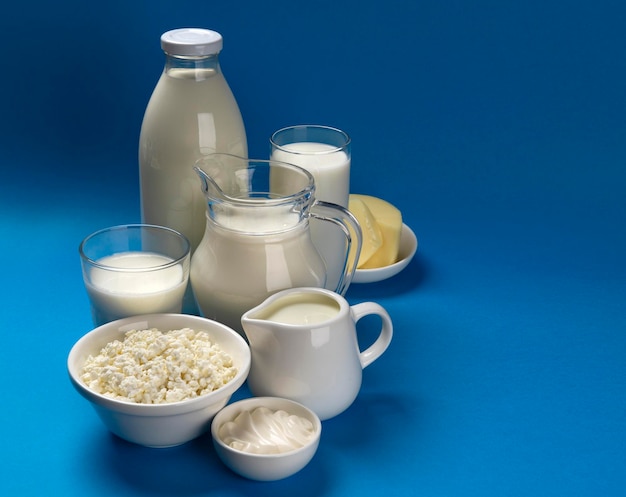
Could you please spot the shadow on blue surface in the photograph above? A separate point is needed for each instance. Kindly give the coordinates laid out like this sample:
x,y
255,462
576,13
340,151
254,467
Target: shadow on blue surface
x,y
414,275
373,412
194,468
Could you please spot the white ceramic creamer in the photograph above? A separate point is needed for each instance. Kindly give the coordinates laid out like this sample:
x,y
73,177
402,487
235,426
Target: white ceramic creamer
x,y
304,348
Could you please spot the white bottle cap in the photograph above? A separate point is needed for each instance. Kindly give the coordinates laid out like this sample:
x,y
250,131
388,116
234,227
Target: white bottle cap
x,y
191,41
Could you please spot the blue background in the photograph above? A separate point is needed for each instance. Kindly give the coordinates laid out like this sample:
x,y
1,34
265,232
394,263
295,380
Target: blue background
x,y
498,128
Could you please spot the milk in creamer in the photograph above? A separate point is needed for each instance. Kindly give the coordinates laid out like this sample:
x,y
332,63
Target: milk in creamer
x,y
301,312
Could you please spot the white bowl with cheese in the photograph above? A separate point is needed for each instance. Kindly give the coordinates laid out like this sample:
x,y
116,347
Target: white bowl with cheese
x,y
266,438
157,391
388,243
406,252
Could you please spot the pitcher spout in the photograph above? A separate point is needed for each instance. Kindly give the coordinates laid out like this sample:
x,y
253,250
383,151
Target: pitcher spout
x,y
205,179
226,177
214,173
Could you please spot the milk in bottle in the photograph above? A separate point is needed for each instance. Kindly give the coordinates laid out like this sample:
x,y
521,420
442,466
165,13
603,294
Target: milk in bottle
x,y
191,113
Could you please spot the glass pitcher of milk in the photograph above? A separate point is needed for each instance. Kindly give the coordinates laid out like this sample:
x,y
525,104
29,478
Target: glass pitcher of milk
x,y
257,239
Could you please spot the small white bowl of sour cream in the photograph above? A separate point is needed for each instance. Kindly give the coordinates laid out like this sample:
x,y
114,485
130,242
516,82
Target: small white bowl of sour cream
x,y
266,438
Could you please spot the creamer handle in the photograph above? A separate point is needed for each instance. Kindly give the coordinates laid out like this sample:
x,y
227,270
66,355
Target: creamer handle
x,y
375,350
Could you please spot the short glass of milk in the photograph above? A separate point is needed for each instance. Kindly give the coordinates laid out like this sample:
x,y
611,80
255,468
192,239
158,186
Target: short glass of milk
x,y
134,269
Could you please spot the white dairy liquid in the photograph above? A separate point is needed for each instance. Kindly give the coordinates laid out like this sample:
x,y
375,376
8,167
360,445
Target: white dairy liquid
x,y
115,294
232,272
331,172
250,220
303,312
191,113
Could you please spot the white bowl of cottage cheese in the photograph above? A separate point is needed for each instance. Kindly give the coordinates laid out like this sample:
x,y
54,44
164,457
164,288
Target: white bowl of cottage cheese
x,y
158,380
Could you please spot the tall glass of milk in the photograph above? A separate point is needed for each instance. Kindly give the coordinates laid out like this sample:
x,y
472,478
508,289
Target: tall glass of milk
x,y
326,153
134,269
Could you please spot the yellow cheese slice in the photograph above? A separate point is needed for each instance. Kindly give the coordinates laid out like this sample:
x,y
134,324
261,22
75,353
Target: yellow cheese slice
x,y
389,221
372,237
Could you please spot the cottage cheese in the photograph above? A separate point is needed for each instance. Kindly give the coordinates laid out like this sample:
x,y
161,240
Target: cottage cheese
x,y
155,367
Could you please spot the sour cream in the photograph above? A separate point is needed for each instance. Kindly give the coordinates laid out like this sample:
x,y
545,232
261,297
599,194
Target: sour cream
x,y
264,431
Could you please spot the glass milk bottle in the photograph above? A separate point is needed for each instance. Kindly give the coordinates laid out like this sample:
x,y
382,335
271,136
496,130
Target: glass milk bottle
x,y
192,113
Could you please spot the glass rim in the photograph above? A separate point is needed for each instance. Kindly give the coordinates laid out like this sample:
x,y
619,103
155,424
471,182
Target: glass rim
x,y
332,129
153,227
290,198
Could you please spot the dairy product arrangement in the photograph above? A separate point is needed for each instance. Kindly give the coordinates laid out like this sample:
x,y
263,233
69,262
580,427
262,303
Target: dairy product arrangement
x,y
381,223
245,229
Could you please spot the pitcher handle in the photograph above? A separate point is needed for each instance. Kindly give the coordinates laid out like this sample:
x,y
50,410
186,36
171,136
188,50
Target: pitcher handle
x,y
345,220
